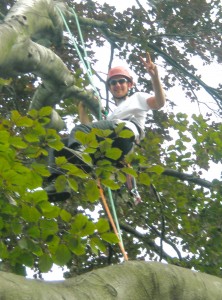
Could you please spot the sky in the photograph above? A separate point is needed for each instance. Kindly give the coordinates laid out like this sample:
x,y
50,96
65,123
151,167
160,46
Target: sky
x,y
211,75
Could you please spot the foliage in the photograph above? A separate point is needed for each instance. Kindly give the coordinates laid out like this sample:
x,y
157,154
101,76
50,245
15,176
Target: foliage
x,y
33,231
181,212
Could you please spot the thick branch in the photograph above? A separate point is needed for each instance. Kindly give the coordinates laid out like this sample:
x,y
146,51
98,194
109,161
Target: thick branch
x,y
19,54
188,177
131,280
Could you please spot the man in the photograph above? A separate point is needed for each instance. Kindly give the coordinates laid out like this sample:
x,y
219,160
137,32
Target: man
x,y
131,110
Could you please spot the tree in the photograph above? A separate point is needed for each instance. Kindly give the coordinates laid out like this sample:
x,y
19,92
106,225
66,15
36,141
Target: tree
x,y
131,280
179,207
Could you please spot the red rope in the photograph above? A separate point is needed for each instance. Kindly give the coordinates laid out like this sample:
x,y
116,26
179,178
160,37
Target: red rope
x,y
112,221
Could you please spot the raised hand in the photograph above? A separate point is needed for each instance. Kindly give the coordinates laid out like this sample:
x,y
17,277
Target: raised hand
x,y
149,65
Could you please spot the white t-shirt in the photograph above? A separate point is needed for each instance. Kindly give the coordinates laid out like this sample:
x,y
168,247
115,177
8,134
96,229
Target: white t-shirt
x,y
134,107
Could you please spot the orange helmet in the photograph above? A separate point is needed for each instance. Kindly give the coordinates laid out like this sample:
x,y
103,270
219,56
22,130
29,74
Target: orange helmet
x,y
119,71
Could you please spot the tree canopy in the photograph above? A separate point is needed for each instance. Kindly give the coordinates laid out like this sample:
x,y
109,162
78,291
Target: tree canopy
x,y
179,219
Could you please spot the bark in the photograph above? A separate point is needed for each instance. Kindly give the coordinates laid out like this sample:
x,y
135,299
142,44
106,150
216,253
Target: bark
x,y
30,22
134,280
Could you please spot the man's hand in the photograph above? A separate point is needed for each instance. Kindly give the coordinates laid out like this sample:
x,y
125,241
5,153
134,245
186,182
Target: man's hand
x,y
83,113
158,100
149,65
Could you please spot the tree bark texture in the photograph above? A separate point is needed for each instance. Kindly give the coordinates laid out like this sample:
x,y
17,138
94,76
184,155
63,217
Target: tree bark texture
x,y
28,25
133,280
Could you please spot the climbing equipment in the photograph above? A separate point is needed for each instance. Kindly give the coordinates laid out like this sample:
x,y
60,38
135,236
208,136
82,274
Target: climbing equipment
x,y
117,232
132,188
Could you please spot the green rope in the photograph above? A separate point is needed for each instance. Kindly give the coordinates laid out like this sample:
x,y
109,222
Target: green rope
x,y
115,215
83,44
86,64
88,71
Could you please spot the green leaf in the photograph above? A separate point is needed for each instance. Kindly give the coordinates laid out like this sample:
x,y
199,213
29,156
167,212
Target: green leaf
x,y
79,222
35,248
129,171
76,246
110,237
88,229
60,183
53,241
48,228
33,113
1,223
19,269
19,120
45,111
113,153
156,169
23,243
27,259
53,140
102,225
48,210
92,190
4,165
17,142
119,128
4,136
82,226
73,184
126,134
3,251
73,170
30,214
101,132
62,255
110,183
97,244
40,169
144,179
45,263
33,232
32,137
65,216
16,226
38,196
34,180
60,161
5,81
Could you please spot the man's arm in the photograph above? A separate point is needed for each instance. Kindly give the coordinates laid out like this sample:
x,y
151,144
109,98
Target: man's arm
x,y
158,100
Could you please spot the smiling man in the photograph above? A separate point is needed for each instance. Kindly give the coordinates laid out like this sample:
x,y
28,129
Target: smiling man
x,y
130,110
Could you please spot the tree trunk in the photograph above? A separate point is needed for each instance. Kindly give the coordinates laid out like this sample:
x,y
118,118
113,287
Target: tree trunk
x,y
28,24
134,280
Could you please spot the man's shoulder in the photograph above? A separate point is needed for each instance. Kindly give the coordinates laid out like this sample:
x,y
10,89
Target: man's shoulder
x,y
140,95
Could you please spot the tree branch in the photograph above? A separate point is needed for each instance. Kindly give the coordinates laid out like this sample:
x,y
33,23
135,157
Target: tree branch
x,y
145,238
188,177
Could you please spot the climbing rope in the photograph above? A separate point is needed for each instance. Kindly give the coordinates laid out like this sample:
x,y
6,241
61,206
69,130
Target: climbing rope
x,y
88,70
85,62
112,222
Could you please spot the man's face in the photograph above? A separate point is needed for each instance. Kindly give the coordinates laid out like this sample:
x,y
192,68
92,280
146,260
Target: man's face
x,y
119,86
